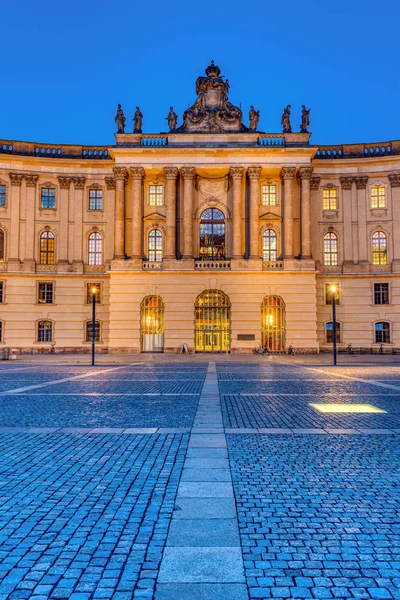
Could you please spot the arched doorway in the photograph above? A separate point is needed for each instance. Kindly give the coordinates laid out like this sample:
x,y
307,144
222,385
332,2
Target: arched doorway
x,y
152,324
213,322
212,234
273,323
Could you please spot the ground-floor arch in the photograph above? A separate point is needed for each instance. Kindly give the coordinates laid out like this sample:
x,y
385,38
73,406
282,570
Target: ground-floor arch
x,y
273,326
152,324
213,322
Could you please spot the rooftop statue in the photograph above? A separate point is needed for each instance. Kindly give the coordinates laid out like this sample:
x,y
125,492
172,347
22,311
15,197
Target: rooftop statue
x,y
212,111
137,121
285,121
305,119
172,119
120,120
254,117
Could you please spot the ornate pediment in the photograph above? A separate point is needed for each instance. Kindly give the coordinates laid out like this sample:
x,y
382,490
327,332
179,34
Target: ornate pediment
x,y
154,216
269,216
212,112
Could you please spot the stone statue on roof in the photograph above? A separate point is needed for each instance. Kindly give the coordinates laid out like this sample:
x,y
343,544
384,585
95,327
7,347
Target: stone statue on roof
x,y
254,117
305,119
285,121
172,119
120,120
137,121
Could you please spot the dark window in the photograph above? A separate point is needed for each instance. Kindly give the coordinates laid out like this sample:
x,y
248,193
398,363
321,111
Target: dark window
x,y
2,244
45,293
89,331
89,292
95,249
47,248
329,332
1,331
328,293
212,234
381,293
48,197
95,200
382,332
45,331
1,292
2,195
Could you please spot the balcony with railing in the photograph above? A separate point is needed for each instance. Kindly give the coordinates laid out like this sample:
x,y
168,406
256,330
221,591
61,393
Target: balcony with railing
x,y
222,264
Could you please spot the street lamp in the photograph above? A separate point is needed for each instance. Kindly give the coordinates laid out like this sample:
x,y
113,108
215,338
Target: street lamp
x,y
93,290
333,293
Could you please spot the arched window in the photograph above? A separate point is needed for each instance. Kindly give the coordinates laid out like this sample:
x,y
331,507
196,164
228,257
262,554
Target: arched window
x,y
212,234
273,323
269,245
45,331
152,324
89,331
329,332
155,245
213,322
382,332
379,248
330,249
95,249
2,244
47,248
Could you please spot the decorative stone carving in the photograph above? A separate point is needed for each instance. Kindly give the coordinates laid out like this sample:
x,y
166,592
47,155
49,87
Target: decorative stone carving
x,y
288,172
120,120
305,172
172,119
47,184
137,121
212,112
216,187
394,179
285,121
137,172
236,172
64,182
346,182
254,172
120,173
79,182
110,182
314,182
361,182
170,172
305,119
31,180
16,178
188,172
254,117
95,186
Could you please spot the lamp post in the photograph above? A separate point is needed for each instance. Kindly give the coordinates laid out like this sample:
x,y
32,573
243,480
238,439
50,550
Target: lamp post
x,y
94,290
333,292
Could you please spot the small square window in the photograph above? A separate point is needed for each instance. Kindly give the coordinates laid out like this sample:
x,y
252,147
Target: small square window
x,y
269,195
95,199
45,295
48,197
156,193
2,195
378,199
329,198
1,292
328,293
89,292
381,293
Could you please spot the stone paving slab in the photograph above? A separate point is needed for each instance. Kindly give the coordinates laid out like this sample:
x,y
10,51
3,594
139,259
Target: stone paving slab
x,y
204,489
205,474
204,532
205,591
201,565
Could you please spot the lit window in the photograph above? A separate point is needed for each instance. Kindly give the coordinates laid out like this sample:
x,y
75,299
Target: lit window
x,y
156,195
381,293
328,293
382,332
2,244
89,331
269,195
45,295
330,249
45,331
330,198
329,332
95,249
155,245
378,199
269,245
379,248
47,248
89,292
1,292
95,199
2,195
212,234
48,198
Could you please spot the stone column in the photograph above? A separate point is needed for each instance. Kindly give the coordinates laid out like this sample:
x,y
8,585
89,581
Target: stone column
x,y
138,175
63,241
394,179
16,180
30,234
121,175
188,174
254,177
171,173
347,184
287,175
361,185
305,176
236,174
109,214
79,186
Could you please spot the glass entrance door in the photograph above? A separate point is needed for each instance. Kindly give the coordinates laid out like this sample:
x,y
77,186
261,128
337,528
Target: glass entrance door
x,y
213,322
152,324
273,323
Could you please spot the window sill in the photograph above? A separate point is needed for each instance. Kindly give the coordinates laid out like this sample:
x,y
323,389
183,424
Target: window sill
x,y
45,304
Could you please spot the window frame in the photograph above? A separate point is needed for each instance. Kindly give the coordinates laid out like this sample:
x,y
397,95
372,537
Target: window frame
x,y
3,184
3,237
383,332
98,326
379,206
338,295
96,253
159,186
48,188
50,236
157,253
375,292
329,189
46,283
2,327
99,286
38,323
338,332
336,253
379,252
96,190
269,185
2,291
266,250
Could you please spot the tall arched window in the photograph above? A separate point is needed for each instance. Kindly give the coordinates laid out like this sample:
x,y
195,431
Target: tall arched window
x,y
379,248
269,245
95,249
330,249
273,323
212,234
47,248
2,244
155,245
152,324
213,322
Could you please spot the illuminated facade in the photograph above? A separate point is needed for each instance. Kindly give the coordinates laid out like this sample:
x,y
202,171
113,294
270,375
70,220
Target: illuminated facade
x,y
213,235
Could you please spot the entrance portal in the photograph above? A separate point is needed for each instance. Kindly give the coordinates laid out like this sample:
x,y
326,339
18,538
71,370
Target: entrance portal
x,y
273,323
213,322
152,324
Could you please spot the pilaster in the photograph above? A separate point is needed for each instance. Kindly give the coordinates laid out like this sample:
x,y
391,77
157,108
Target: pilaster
x,y
65,184
109,211
394,180
14,259
171,173
138,175
287,175
79,186
361,185
120,176
236,175
305,177
188,174
30,235
347,184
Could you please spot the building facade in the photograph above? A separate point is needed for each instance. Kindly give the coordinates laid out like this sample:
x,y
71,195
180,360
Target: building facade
x,y
213,235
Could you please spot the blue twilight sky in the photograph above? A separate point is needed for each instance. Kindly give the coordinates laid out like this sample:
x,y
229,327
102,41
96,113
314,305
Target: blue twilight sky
x,y
66,65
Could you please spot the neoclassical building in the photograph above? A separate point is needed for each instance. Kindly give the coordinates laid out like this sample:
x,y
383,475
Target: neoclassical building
x,y
214,235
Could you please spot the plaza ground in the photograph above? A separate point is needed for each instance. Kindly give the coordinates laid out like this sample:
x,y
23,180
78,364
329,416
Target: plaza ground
x,y
196,477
